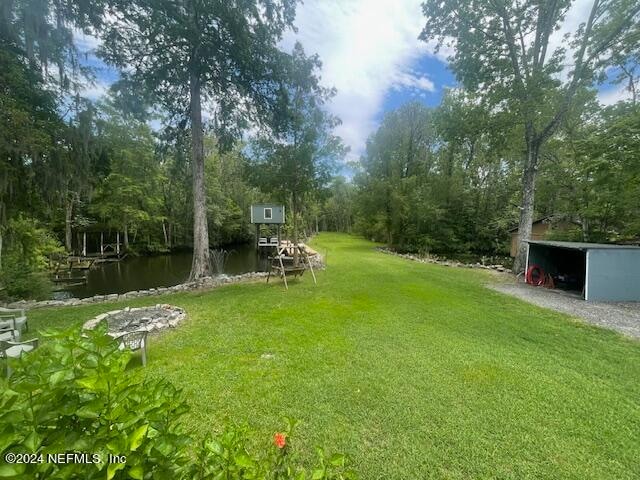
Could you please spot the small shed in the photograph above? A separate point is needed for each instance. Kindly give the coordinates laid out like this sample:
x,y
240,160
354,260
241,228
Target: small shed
x,y
540,228
599,271
267,213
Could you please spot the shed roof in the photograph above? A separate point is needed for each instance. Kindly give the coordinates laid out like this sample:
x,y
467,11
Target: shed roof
x,y
548,219
535,222
582,245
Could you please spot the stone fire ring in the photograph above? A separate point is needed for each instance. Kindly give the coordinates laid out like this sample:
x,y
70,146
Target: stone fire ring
x,y
149,319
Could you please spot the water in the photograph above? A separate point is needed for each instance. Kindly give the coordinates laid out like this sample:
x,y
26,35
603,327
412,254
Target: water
x,y
477,258
141,273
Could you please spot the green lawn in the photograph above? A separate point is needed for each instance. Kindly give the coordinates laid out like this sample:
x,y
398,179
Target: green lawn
x,y
417,371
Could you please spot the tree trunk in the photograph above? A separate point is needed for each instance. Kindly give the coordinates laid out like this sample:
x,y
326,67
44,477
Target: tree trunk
x,y
294,215
527,206
585,229
68,216
165,234
0,248
200,266
126,237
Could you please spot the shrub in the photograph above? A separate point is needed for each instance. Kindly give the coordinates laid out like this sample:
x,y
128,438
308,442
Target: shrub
x,y
24,259
76,394
20,280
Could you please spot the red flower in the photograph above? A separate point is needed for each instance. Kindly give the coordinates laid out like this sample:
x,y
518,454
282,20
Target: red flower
x,y
280,440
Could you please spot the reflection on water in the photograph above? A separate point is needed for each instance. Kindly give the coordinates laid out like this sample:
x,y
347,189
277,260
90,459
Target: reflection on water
x,y
140,273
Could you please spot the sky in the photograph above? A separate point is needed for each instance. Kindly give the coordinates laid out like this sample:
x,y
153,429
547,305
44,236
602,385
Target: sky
x,y
372,56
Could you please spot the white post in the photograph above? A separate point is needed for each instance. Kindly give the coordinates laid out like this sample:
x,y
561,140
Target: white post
x,y
118,243
586,277
101,244
84,244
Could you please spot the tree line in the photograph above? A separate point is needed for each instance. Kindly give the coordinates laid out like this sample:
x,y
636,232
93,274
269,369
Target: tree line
x,y
449,179
521,137
209,115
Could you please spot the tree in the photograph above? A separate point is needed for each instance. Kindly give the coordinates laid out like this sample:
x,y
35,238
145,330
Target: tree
x,y
438,180
229,191
297,159
338,208
197,51
44,32
129,195
29,128
398,160
594,178
502,52
41,33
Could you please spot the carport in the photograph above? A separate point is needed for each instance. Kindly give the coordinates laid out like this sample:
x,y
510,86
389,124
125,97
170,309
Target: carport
x,y
597,271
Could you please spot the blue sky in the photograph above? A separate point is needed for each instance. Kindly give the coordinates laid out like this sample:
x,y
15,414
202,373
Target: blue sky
x,y
371,54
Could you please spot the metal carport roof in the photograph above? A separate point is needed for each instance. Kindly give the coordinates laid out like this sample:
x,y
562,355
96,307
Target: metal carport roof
x,y
583,246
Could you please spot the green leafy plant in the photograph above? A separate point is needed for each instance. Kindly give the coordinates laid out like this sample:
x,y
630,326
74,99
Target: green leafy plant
x,y
77,394
73,394
229,457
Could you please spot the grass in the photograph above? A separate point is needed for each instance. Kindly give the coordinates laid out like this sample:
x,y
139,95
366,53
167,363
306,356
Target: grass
x,y
417,371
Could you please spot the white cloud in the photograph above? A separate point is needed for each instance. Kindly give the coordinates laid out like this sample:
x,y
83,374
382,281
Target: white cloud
x,y
95,91
614,95
413,81
367,47
578,13
84,42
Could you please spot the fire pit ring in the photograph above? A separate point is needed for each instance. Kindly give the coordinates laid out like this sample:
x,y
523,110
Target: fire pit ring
x,y
146,319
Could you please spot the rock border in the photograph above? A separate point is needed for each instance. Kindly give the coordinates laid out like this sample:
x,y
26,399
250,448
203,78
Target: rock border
x,y
446,263
206,283
177,315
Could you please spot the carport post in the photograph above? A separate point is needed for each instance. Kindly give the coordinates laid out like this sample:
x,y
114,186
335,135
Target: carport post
x,y
586,276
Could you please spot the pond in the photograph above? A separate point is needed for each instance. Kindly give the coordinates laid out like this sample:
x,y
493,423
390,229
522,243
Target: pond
x,y
141,273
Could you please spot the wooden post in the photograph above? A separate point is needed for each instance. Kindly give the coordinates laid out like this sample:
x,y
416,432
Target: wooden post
x,y
84,244
306,256
101,244
284,273
257,237
278,236
118,243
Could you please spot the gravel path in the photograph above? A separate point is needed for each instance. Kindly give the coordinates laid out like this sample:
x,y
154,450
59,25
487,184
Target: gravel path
x,y
623,317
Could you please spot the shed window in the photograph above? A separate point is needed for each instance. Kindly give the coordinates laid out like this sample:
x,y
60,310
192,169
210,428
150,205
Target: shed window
x,y
268,214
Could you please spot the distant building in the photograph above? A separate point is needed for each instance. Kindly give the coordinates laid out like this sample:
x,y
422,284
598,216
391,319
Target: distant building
x,y
541,229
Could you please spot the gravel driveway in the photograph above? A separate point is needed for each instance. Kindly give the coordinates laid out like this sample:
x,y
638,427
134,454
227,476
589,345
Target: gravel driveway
x,y
623,317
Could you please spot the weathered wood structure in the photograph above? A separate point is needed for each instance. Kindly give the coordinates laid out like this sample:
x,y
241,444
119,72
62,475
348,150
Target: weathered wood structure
x,y
285,262
540,229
